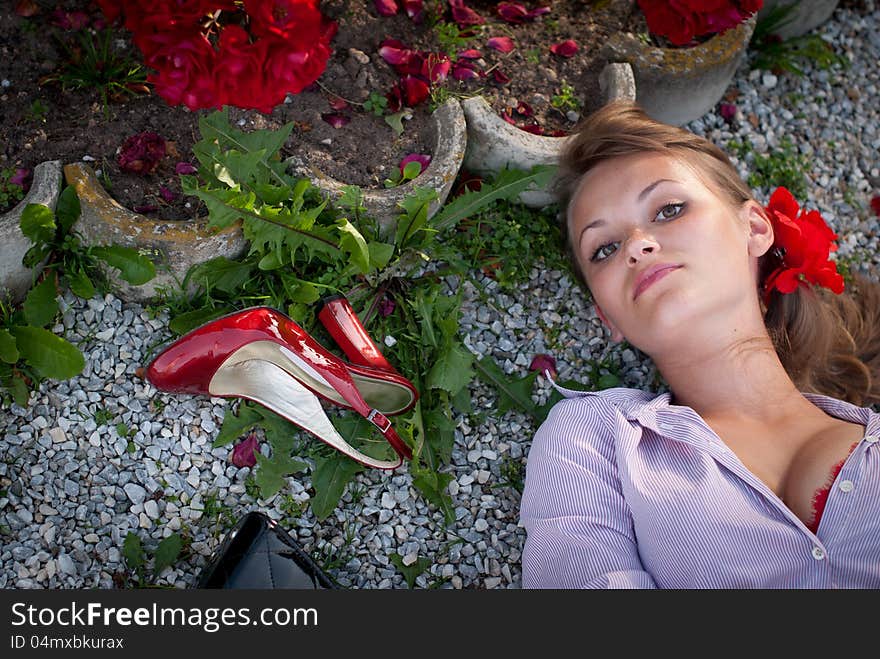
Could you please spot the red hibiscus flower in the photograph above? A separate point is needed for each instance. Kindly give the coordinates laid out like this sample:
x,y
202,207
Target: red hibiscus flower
x,y
802,243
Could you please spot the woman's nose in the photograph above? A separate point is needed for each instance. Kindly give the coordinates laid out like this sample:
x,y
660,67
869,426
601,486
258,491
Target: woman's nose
x,y
639,246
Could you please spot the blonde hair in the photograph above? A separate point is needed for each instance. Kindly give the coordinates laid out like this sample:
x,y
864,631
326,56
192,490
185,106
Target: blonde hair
x,y
828,344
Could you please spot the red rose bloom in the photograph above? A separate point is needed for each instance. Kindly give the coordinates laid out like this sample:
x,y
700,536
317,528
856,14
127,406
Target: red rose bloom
x,y
802,243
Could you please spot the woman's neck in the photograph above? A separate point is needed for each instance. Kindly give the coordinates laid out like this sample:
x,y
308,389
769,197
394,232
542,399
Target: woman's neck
x,y
736,381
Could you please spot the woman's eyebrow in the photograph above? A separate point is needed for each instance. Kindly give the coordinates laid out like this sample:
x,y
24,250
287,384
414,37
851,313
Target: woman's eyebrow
x,y
591,225
644,193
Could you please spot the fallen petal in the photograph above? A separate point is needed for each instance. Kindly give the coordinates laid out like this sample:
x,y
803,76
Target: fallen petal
x,y
184,168
470,53
423,159
524,109
542,363
512,12
415,9
728,111
167,193
537,11
532,128
506,116
395,52
566,48
500,77
465,16
464,71
386,307
386,7
244,453
146,208
875,205
20,177
337,103
335,119
501,44
415,90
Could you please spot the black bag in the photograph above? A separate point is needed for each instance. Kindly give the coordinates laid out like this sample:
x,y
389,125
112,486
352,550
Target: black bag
x,y
259,554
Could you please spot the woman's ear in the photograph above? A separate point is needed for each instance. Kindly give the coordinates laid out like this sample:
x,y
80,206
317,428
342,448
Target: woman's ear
x,y
616,334
760,228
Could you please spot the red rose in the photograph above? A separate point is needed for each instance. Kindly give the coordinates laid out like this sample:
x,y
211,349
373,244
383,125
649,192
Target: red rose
x,y
804,241
185,73
284,17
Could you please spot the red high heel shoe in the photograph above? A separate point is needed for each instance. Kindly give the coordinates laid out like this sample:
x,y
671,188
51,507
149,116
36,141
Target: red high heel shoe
x,y
262,355
340,320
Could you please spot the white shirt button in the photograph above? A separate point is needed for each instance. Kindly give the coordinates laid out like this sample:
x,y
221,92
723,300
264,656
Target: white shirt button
x,y
872,439
818,553
846,486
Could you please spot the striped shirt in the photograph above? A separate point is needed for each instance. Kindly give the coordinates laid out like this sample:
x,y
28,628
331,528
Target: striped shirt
x,y
626,490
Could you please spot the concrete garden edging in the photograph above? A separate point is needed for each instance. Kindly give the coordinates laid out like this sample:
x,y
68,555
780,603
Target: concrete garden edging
x,y
450,142
678,85
806,15
175,246
494,144
14,277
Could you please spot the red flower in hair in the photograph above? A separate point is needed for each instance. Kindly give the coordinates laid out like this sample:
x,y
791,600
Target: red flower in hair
x,y
802,243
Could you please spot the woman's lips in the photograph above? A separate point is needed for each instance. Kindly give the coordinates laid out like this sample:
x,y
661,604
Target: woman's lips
x,y
652,275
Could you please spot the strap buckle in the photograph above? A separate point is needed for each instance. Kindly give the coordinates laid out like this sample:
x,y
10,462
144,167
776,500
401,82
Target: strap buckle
x,y
378,419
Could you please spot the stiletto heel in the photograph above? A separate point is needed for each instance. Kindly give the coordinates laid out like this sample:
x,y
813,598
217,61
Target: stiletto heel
x,y
263,355
340,320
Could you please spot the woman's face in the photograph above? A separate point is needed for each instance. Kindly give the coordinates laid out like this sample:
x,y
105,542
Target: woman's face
x,y
662,252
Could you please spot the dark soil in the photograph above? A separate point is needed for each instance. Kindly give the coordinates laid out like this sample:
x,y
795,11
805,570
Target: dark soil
x,y
42,120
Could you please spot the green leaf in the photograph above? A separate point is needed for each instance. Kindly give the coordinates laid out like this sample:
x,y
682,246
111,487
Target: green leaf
x,y
67,209
434,485
352,198
133,551
166,553
222,273
411,170
80,284
440,431
607,381
50,355
380,254
410,572
329,478
19,390
452,370
35,255
415,216
353,243
38,223
8,351
271,472
235,426
41,304
511,393
135,268
508,184
395,120
183,323
463,401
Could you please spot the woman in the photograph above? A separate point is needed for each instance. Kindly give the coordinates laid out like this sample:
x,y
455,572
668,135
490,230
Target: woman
x,y
734,479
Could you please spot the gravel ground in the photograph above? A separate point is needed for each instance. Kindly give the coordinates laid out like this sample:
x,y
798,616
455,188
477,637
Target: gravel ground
x,y
70,489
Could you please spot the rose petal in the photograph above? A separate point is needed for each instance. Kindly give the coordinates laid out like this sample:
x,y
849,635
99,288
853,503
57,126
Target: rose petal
x,y
525,109
464,16
500,77
415,90
506,116
435,67
146,208
464,71
167,194
244,453
335,119
875,205
470,53
386,307
395,52
20,177
337,103
501,44
728,111
542,363
386,7
512,12
532,128
415,9
537,11
423,159
184,168
566,48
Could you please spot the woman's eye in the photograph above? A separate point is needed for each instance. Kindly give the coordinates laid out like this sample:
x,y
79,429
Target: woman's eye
x,y
668,212
603,252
